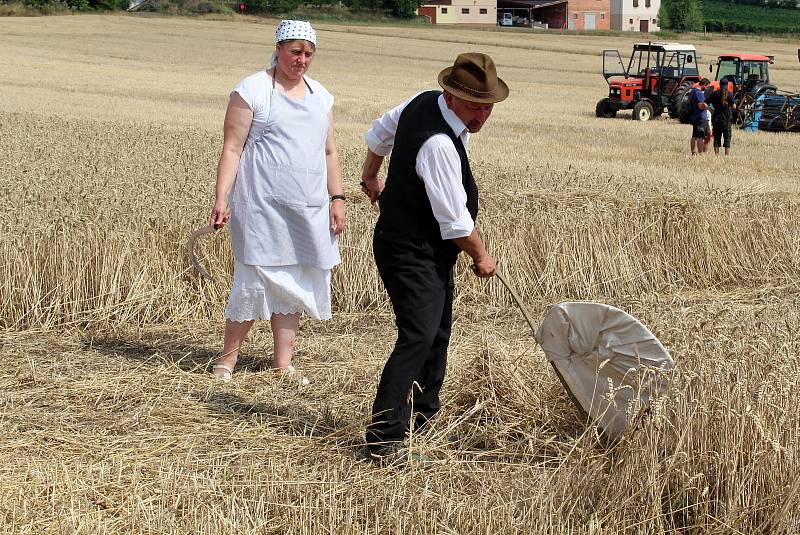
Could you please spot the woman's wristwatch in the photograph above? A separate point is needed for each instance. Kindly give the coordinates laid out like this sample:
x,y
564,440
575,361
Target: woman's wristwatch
x,y
341,197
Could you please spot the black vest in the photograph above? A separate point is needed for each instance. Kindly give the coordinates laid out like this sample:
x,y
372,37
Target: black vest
x,y
405,209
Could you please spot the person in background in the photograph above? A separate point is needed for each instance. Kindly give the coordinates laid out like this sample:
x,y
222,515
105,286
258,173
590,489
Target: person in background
x,y
722,105
697,104
427,217
279,184
709,132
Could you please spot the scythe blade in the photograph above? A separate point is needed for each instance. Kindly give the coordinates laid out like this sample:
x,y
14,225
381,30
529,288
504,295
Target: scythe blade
x,y
202,231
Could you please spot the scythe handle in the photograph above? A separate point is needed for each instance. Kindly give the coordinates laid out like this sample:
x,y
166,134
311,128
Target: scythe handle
x,y
527,316
517,300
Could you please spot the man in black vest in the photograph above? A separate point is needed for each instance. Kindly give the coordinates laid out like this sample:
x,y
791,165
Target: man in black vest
x,y
427,217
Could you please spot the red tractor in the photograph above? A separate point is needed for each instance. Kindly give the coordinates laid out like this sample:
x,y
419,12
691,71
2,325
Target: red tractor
x,y
745,75
651,84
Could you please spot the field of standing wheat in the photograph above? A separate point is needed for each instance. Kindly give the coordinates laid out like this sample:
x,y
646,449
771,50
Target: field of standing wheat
x,y
110,128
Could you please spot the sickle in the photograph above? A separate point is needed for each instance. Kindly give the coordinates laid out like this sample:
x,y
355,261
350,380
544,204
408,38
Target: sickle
x,y
208,229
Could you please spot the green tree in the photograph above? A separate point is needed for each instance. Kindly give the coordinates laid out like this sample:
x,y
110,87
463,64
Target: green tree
x,y
682,15
360,5
109,5
405,9
694,16
663,15
272,6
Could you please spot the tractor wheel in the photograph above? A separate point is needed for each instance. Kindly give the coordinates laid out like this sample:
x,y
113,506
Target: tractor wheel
x,y
605,109
643,111
763,88
679,107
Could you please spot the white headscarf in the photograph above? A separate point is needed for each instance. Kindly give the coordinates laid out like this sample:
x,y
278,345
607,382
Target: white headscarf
x,y
289,30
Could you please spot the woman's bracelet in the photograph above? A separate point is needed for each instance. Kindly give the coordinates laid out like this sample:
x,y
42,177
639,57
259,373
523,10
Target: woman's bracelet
x,y
341,197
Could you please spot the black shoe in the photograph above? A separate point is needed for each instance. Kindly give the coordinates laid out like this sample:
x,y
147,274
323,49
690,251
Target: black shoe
x,y
395,454
365,454
378,453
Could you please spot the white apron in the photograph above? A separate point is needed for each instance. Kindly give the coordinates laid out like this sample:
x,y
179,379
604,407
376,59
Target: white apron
x,y
279,204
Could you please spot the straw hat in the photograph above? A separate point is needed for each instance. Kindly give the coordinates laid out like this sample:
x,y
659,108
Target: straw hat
x,y
473,77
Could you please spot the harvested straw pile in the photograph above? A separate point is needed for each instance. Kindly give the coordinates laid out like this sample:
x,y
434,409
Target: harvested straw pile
x,y
123,433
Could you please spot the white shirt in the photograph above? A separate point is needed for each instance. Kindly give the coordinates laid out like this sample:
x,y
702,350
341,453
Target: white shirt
x,y
438,165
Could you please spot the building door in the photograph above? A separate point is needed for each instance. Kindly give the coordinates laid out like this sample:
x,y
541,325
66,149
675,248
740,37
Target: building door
x,y
589,21
428,12
643,27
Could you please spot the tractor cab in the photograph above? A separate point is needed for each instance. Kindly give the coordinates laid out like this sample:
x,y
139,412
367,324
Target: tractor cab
x,y
654,73
741,72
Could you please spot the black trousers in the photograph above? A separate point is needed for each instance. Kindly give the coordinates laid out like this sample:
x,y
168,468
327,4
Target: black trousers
x,y
419,280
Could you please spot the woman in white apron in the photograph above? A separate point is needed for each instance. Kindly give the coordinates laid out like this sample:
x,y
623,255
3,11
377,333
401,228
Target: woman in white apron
x,y
279,185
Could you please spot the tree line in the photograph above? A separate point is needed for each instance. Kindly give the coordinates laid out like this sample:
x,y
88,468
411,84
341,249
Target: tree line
x,y
398,8
787,4
736,16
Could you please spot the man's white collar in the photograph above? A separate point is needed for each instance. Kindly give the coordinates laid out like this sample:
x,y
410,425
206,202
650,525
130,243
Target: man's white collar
x,y
451,118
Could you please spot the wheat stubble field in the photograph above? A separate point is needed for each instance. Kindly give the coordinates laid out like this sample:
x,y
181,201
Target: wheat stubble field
x,y
110,127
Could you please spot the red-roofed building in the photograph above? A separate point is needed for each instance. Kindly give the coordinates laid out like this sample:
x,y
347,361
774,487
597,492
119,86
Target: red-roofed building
x,y
483,12
535,13
635,15
589,15
558,14
584,15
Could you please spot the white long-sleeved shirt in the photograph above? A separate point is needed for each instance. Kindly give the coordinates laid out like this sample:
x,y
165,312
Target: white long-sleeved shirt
x,y
438,165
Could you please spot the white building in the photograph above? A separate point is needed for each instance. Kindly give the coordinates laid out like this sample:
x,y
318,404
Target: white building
x,y
483,12
635,15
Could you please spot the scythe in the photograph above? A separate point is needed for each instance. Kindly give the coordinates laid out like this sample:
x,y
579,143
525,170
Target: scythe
x,y
202,231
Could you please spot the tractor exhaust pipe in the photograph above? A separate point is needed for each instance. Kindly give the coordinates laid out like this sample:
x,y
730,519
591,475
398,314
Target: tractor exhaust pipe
x,y
646,87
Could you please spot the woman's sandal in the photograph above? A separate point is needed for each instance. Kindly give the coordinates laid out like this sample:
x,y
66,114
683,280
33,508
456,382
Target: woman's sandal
x,y
226,375
291,373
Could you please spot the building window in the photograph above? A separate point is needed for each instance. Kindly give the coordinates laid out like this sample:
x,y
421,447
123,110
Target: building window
x,y
602,15
646,3
444,11
574,15
484,11
655,21
635,3
465,11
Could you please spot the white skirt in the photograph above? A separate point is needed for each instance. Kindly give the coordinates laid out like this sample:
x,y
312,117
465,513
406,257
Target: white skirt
x,y
260,291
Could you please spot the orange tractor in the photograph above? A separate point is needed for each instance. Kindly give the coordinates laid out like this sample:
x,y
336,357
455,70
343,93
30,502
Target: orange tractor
x,y
657,76
746,77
